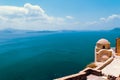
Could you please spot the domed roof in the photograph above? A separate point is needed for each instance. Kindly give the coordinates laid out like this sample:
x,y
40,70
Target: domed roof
x,y
103,41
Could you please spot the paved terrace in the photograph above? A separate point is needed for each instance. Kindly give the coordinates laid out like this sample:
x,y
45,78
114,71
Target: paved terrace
x,y
113,68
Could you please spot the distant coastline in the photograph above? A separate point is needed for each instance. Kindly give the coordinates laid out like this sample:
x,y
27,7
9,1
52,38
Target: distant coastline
x,y
10,30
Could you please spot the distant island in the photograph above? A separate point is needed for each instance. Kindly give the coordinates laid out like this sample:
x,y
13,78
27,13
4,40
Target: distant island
x,y
116,29
10,30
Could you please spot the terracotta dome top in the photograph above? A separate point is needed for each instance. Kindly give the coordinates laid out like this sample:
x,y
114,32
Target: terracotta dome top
x,y
103,41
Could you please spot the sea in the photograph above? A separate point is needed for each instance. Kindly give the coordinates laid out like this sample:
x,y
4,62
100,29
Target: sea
x,y
47,55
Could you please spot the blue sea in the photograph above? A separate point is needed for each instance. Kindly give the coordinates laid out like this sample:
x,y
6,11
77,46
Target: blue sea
x,y
47,55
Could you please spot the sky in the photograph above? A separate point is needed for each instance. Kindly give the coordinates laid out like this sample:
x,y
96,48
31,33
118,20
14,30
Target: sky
x,y
60,14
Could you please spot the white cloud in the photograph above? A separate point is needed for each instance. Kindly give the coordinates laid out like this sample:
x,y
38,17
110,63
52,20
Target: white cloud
x,y
112,17
69,17
103,23
31,17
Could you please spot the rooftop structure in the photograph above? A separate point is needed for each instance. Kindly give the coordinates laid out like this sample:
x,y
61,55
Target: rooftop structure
x,y
103,41
107,62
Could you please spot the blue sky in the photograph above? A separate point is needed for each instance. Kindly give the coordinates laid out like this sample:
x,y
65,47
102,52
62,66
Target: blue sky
x,y
60,14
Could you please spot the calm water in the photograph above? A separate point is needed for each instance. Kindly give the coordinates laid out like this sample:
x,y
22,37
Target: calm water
x,y
45,56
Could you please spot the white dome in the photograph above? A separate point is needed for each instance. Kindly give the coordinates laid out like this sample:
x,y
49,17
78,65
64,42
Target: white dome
x,y
103,41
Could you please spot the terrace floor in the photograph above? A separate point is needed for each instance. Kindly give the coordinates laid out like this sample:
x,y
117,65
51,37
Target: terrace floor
x,y
113,68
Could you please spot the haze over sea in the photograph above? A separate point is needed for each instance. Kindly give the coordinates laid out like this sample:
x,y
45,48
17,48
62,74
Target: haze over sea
x,y
27,55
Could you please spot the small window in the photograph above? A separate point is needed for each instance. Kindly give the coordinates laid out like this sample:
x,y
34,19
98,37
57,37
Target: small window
x,y
103,47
